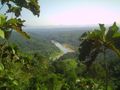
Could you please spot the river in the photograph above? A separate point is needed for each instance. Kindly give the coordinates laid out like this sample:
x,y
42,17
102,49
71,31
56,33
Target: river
x,y
61,47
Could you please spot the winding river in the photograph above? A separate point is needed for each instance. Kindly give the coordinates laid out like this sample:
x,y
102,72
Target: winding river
x,y
62,48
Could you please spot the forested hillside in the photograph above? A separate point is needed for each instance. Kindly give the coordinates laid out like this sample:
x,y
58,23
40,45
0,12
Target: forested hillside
x,y
40,41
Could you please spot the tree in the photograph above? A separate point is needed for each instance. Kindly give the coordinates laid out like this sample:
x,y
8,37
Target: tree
x,y
98,41
15,23
12,63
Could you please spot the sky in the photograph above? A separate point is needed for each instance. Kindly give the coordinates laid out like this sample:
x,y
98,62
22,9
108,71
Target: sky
x,y
74,13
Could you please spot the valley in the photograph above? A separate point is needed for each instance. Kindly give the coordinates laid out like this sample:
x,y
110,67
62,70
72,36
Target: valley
x,y
52,43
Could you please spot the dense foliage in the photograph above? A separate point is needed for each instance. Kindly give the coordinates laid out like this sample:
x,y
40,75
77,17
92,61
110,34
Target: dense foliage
x,y
99,41
15,23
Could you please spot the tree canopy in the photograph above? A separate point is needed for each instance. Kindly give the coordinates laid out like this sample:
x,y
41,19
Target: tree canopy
x,y
93,42
16,23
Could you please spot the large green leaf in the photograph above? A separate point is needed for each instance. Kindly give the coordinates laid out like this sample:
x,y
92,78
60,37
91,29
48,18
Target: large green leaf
x,y
102,27
16,24
112,30
116,35
102,32
2,20
15,7
2,34
1,67
15,82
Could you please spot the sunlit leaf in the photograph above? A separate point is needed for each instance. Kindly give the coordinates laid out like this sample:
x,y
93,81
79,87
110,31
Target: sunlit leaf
x,y
1,67
15,82
19,30
2,34
2,19
11,78
116,35
16,24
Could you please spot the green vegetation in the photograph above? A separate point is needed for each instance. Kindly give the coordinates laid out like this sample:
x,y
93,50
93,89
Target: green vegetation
x,y
37,44
97,42
97,68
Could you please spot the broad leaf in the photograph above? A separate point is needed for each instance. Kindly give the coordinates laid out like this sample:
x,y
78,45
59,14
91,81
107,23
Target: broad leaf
x,y
102,27
112,30
15,82
2,20
2,34
16,24
1,67
116,35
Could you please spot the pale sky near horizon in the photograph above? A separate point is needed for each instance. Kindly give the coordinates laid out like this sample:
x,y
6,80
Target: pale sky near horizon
x,y
74,13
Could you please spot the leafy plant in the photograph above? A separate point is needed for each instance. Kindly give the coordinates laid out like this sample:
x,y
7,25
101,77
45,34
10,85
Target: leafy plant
x,y
98,41
12,75
15,23
92,43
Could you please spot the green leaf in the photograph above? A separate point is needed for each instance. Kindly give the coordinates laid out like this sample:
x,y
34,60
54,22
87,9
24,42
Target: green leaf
x,y
2,34
116,35
102,32
16,24
114,27
112,30
19,30
2,19
15,82
11,78
32,5
1,67
102,27
15,10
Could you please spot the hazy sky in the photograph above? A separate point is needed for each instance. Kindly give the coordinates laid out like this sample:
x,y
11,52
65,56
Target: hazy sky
x,y
75,12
